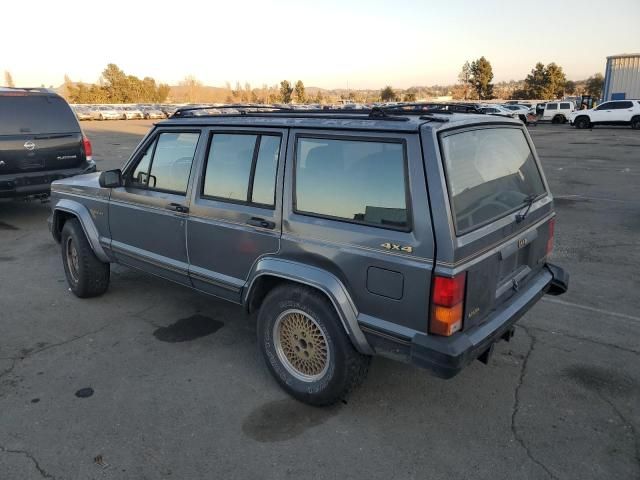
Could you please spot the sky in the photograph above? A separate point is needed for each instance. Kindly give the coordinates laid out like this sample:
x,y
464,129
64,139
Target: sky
x,y
328,43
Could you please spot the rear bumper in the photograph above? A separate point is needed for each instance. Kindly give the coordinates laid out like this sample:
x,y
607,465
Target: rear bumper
x,y
447,356
34,183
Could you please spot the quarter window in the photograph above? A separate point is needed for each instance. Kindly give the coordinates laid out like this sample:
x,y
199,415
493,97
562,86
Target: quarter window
x,y
357,181
166,165
242,168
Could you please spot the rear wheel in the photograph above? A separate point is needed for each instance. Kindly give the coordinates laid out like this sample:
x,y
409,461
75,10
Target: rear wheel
x,y
558,119
635,123
582,122
87,276
306,348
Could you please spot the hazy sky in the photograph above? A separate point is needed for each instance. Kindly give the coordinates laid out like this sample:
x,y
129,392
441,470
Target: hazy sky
x,y
325,43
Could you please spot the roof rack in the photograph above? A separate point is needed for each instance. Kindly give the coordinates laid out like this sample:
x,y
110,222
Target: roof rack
x,y
27,89
390,112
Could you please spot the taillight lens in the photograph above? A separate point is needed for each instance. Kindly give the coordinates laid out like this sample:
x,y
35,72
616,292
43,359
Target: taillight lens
x,y
86,145
552,227
447,304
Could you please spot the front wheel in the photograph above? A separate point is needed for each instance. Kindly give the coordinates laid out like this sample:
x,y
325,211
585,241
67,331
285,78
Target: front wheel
x,y
582,122
558,119
635,123
306,348
86,275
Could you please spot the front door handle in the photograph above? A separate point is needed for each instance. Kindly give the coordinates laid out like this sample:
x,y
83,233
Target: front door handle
x,y
176,207
261,222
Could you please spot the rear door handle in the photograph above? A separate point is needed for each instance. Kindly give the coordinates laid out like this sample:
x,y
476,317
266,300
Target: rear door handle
x,y
261,222
176,207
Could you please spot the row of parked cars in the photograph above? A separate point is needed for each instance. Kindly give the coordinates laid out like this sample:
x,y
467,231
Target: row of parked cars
x,y
123,112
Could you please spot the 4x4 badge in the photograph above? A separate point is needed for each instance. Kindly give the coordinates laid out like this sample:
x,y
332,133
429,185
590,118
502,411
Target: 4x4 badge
x,y
394,246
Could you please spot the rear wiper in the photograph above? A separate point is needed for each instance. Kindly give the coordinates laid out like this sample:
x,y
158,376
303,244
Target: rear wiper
x,y
528,201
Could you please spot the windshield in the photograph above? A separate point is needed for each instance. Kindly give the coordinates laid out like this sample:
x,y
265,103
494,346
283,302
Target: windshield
x,y
490,172
35,114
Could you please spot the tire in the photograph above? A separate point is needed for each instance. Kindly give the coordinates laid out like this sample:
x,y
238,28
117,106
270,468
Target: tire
x,y
558,119
635,123
101,117
320,372
582,122
86,275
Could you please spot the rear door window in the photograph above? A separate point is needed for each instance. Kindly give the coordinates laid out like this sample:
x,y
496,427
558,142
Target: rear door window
x,y
242,168
35,114
352,180
565,106
552,106
490,173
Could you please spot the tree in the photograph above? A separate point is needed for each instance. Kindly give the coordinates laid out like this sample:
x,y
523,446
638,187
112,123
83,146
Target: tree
x,y
8,79
387,94
594,85
464,77
555,81
535,83
193,88
285,91
545,82
570,87
409,97
300,93
481,76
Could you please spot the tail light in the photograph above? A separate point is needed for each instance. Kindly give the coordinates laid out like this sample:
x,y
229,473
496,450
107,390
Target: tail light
x,y
447,304
552,227
86,145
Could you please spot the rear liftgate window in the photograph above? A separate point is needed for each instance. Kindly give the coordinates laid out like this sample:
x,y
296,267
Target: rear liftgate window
x,y
490,173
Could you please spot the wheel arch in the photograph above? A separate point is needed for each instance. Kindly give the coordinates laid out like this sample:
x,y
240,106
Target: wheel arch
x,y
271,272
66,209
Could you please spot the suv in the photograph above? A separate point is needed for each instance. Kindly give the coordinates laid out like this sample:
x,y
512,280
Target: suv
x,y
40,141
556,112
419,235
615,112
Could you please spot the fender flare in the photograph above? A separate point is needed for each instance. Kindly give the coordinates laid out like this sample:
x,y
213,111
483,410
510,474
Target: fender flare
x,y
84,217
317,278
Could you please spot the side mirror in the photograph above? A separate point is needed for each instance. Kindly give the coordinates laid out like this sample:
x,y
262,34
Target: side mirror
x,y
111,179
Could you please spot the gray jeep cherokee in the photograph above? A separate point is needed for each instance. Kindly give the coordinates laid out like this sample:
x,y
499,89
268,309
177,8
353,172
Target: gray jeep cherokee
x,y
417,233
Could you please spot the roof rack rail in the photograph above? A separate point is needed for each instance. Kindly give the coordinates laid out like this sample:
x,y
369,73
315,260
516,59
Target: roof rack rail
x,y
27,89
241,108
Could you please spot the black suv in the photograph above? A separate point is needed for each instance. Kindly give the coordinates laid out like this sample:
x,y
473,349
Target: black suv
x,y
40,141
413,232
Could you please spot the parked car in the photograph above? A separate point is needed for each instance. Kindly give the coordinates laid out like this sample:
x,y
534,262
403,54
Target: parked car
x,y
615,112
133,113
40,141
168,110
108,112
94,111
327,227
556,112
150,112
521,110
498,110
82,112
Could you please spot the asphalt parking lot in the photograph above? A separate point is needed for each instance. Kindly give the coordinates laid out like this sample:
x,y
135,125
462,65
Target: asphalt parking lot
x,y
188,401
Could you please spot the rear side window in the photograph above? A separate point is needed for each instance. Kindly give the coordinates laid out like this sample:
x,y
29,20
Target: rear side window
x,y
352,180
621,105
242,168
36,114
490,173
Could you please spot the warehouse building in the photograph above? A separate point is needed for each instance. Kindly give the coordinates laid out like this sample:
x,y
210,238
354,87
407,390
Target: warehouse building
x,y
622,77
